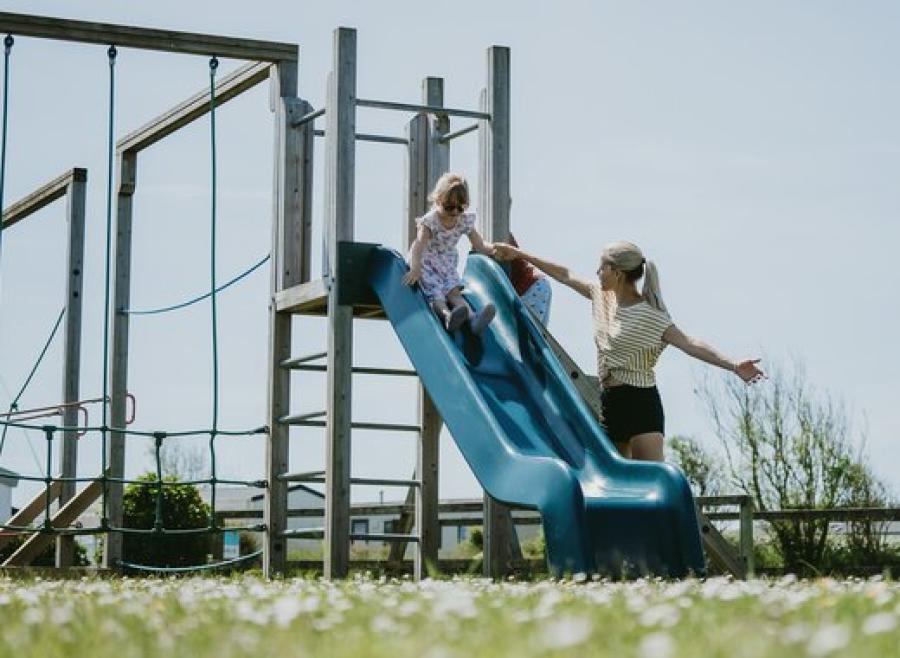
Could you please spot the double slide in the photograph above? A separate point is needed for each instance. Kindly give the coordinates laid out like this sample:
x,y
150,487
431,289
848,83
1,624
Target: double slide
x,y
530,439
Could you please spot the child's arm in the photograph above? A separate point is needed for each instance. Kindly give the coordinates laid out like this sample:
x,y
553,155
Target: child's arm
x,y
415,255
479,245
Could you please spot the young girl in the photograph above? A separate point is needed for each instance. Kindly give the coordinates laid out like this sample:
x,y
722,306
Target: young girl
x,y
433,258
631,329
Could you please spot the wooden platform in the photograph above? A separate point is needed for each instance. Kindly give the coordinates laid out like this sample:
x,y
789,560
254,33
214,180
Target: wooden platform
x,y
312,299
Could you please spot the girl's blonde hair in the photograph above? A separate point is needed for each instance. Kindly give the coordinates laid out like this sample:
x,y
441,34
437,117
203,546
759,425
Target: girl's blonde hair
x,y
627,258
450,189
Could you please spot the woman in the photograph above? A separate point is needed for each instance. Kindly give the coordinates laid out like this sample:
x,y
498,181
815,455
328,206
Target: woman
x,y
631,329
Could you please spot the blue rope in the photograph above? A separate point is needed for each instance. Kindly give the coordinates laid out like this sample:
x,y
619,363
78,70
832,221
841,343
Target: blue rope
x,y
111,55
199,298
199,567
8,44
15,403
213,65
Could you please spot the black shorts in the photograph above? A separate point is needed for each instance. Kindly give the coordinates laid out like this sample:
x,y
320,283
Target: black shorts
x,y
631,410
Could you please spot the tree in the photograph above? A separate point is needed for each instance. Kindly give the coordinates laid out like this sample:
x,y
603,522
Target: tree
x,y
701,468
789,446
182,508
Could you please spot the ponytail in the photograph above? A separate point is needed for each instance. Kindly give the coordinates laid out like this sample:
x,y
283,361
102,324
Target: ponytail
x,y
651,291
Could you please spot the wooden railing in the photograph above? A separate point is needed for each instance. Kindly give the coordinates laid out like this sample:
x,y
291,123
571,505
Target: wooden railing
x,y
745,514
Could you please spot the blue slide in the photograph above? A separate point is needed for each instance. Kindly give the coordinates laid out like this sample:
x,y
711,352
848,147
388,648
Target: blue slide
x,y
531,440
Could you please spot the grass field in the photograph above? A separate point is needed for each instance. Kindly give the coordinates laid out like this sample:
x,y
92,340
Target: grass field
x,y
247,616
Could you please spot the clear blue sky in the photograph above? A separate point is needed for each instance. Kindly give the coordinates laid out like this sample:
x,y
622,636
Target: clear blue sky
x,y
752,150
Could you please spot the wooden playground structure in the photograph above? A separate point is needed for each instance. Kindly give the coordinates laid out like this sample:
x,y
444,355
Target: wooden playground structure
x,y
295,291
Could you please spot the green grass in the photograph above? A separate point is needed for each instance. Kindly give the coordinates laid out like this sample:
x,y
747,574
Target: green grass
x,y
247,616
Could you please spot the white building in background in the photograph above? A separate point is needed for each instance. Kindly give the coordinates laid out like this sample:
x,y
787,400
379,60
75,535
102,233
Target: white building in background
x,y
8,482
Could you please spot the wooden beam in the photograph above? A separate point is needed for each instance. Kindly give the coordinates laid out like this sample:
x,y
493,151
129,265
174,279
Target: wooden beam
x,y
30,512
494,208
68,454
43,196
495,159
340,173
231,85
118,367
290,211
63,518
721,554
125,36
437,162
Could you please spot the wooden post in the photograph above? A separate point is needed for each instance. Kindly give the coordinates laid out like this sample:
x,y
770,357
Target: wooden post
x,y
68,453
499,531
340,135
746,534
428,447
115,449
289,266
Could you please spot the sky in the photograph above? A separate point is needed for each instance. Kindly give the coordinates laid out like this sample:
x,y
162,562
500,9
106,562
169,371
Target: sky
x,y
751,149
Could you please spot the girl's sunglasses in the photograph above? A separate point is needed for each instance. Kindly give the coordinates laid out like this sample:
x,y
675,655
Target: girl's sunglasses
x,y
454,208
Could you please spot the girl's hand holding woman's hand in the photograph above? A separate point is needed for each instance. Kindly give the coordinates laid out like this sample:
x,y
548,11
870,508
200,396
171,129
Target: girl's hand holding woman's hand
x,y
749,371
503,251
411,277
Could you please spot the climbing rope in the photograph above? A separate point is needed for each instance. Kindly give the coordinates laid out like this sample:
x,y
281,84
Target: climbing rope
x,y
198,298
14,405
7,50
199,567
111,54
213,65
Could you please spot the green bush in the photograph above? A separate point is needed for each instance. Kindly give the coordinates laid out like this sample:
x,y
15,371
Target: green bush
x,y
182,508
47,557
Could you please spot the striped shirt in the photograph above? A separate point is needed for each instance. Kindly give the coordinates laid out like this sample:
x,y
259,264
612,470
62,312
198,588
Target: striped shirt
x,y
629,339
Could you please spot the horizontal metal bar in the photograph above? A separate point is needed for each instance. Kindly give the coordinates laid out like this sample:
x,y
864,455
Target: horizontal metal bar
x,y
357,370
412,107
43,196
306,118
304,533
106,34
195,107
319,477
299,418
319,533
387,427
297,360
458,133
298,477
387,537
370,137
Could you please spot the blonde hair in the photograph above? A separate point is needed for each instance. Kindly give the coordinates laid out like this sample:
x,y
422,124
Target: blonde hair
x,y
627,258
450,189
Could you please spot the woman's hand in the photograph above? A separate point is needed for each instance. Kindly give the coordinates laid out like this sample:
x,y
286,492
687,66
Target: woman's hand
x,y
412,277
748,371
503,251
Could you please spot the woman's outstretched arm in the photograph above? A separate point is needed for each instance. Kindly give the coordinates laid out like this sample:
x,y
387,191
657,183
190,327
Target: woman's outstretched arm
x,y
559,272
746,370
